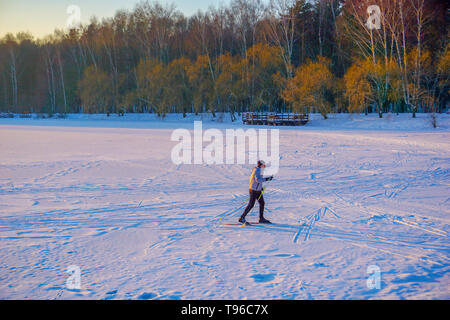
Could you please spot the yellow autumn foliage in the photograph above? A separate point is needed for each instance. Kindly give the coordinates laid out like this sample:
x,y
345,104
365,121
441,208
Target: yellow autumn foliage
x,y
310,87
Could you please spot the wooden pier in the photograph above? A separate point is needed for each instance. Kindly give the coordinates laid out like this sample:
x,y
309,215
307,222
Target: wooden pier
x,y
274,119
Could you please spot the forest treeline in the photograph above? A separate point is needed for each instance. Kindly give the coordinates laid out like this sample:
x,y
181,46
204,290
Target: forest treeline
x,y
286,55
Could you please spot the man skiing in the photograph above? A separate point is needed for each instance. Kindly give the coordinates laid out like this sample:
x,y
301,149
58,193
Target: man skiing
x,y
256,192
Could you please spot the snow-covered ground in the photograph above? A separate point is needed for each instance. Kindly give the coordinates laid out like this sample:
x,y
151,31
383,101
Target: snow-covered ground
x,y
102,193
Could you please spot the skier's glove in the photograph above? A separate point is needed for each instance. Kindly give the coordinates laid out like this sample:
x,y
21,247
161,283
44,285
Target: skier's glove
x,y
269,178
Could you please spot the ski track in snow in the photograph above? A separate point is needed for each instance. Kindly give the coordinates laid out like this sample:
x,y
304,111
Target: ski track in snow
x,y
111,201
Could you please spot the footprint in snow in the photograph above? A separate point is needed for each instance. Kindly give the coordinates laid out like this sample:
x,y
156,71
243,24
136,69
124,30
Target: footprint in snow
x,y
263,277
110,295
147,296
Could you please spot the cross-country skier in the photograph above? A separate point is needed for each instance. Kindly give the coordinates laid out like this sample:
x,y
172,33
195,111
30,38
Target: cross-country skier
x,y
256,192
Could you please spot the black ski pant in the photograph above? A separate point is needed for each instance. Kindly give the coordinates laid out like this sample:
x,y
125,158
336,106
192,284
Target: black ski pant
x,y
255,195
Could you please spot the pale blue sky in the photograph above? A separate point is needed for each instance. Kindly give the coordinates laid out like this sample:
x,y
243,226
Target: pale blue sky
x,y
41,17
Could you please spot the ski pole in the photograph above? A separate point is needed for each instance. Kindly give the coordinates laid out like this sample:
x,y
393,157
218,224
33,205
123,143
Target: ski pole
x,y
264,189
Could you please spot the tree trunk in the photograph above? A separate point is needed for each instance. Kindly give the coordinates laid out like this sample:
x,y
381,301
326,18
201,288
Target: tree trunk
x,y
61,72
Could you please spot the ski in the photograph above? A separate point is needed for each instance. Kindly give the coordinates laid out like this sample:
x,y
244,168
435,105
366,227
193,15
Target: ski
x,y
248,224
240,224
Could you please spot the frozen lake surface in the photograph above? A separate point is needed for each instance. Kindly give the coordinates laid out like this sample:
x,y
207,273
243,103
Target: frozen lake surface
x,y
103,194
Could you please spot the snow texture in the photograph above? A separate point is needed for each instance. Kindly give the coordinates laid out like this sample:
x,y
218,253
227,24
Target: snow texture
x,y
102,193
